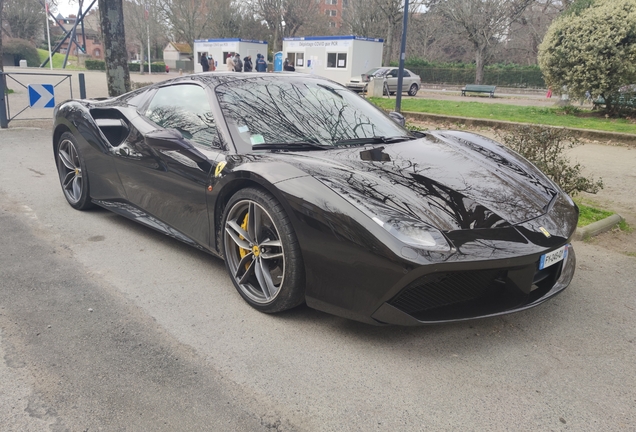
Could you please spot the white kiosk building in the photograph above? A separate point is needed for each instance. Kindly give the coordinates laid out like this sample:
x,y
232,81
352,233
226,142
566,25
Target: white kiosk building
x,y
338,58
220,48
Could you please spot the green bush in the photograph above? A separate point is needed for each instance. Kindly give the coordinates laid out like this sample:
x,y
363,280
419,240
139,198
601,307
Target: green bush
x,y
22,49
592,49
95,64
545,147
154,67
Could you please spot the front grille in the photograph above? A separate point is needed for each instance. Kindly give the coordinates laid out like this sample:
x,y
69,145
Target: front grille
x,y
467,294
444,289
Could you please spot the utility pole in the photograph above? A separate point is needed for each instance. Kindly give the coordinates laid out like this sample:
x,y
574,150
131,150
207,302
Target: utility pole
x,y
398,97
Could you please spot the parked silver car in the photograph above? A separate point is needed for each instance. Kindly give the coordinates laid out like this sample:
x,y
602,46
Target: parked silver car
x,y
411,85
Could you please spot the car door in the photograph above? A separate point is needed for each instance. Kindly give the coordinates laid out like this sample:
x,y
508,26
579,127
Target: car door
x,y
165,164
407,80
391,80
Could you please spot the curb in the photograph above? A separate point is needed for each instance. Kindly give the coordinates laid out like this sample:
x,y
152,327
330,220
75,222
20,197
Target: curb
x,y
513,126
598,227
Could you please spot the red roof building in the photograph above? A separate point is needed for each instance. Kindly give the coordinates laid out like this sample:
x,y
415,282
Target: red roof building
x,y
333,9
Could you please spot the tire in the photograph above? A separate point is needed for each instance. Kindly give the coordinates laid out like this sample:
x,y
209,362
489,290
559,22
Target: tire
x,y
72,172
413,90
262,254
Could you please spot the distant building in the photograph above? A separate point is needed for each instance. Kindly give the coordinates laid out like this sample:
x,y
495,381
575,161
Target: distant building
x,y
178,56
91,34
333,9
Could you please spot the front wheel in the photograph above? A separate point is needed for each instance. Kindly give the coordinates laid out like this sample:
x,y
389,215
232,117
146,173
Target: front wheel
x,y
413,90
262,254
72,172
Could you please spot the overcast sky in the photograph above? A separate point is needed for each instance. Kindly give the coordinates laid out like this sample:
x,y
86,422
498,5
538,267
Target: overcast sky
x,y
67,7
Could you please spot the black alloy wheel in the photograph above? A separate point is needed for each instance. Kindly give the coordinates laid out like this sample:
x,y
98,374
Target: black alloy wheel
x,y
262,254
72,172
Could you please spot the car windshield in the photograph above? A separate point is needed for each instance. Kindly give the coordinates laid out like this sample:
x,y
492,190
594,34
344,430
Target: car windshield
x,y
376,71
263,112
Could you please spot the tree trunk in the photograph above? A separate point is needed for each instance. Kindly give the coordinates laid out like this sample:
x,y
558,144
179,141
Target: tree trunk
x,y
111,14
479,66
1,50
388,52
275,44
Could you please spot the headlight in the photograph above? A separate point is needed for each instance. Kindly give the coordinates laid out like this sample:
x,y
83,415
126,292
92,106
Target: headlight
x,y
568,198
406,228
415,233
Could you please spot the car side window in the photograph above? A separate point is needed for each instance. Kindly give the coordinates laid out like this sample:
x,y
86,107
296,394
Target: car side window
x,y
406,74
186,108
393,73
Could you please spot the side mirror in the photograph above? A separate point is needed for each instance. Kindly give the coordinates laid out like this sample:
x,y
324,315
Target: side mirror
x,y
166,139
398,118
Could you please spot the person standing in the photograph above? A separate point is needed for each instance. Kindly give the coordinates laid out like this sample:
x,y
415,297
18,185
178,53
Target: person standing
x,y
238,64
247,64
229,63
204,62
212,66
261,63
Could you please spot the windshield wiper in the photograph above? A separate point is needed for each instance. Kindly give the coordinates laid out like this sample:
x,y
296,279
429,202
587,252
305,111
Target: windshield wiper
x,y
374,140
291,146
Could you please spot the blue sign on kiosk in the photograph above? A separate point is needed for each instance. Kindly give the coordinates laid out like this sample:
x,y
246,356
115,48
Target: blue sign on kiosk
x,y
278,61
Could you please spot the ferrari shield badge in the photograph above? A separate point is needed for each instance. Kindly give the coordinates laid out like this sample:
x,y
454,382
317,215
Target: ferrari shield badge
x,y
545,232
219,168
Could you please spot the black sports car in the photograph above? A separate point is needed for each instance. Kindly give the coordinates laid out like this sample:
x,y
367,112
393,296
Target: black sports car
x,y
311,194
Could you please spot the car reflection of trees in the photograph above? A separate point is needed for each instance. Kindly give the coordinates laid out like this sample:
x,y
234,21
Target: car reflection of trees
x,y
198,127
284,112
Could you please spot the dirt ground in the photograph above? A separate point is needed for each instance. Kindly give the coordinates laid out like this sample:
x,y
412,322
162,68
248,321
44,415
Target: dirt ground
x,y
616,165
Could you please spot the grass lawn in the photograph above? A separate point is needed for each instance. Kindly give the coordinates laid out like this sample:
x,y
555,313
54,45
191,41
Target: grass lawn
x,y
589,214
58,60
515,113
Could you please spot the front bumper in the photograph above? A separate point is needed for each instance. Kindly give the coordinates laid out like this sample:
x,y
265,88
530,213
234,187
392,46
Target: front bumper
x,y
461,296
357,86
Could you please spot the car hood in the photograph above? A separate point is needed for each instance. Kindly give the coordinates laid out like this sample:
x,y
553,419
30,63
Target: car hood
x,y
453,180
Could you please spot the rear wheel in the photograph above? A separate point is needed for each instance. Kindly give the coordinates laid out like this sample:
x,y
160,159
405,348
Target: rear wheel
x,y
72,172
413,90
262,254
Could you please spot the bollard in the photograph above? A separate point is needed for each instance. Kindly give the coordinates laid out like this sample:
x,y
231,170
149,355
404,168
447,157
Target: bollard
x,y
82,85
4,121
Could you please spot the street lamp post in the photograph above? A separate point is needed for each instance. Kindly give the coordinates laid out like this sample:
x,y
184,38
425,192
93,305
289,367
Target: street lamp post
x,y
282,36
398,98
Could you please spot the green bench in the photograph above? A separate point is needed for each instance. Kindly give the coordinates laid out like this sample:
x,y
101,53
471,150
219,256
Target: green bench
x,y
476,88
624,101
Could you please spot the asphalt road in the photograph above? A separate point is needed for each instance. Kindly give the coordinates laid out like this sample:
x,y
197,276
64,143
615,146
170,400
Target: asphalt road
x,y
107,325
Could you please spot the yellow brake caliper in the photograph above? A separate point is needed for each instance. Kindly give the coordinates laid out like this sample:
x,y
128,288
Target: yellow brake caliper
x,y
243,252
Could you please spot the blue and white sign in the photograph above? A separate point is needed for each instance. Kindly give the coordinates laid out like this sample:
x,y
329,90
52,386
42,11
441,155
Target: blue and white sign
x,y
41,96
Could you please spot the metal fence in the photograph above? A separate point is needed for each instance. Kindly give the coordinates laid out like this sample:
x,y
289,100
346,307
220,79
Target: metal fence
x,y
498,77
15,94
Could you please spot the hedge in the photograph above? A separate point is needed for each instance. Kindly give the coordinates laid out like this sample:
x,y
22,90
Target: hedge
x,y
154,67
508,77
95,64
22,49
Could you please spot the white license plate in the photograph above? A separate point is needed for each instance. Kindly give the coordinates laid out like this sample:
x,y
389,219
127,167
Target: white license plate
x,y
553,257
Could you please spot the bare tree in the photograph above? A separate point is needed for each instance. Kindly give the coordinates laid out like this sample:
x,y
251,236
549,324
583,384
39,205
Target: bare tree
x,y
24,19
137,15
294,13
189,19
485,23
116,55
369,17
